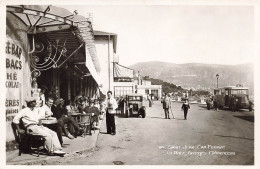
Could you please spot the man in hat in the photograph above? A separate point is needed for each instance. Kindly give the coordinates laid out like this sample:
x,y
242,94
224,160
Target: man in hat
x,y
32,122
111,106
167,105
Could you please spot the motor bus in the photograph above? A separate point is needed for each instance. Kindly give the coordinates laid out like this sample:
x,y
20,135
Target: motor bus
x,y
223,97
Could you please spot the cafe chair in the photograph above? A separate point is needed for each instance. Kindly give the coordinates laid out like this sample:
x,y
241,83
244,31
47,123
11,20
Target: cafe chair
x,y
85,123
26,142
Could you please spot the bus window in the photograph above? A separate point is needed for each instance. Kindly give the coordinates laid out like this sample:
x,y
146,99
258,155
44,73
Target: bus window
x,y
234,91
222,91
239,91
216,92
226,92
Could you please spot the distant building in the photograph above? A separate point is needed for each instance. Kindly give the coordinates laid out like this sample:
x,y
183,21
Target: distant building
x,y
146,88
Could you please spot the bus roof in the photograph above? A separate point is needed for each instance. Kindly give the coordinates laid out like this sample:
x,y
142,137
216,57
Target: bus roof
x,y
233,87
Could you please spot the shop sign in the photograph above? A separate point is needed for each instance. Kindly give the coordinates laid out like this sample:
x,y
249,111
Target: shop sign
x,y
14,77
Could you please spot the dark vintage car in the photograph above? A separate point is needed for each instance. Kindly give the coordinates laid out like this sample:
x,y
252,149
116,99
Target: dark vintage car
x,y
134,105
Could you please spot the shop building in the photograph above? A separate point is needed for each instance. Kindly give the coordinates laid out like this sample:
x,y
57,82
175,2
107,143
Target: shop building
x,y
106,46
48,46
123,80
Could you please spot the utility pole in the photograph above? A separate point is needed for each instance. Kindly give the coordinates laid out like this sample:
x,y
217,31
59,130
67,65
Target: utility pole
x,y
109,62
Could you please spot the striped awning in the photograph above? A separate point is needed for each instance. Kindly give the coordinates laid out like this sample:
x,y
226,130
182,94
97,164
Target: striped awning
x,y
123,72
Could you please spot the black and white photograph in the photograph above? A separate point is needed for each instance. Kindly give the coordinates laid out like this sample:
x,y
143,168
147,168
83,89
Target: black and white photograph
x,y
141,83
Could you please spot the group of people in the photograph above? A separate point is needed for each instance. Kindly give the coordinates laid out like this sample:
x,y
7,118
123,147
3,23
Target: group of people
x,y
167,104
40,108
212,102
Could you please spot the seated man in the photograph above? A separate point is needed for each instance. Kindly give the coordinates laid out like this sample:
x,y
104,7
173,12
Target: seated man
x,y
94,112
45,110
32,122
63,118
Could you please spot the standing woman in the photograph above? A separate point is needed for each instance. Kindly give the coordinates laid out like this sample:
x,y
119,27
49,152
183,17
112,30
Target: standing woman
x,y
111,106
185,107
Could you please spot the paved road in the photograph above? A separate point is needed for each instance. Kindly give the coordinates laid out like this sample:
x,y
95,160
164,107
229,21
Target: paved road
x,y
155,140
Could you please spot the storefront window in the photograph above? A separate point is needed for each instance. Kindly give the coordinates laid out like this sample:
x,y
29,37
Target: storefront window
x,y
123,90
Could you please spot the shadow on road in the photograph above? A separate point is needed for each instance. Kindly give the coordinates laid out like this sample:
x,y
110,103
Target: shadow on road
x,y
156,117
235,137
165,119
103,132
248,118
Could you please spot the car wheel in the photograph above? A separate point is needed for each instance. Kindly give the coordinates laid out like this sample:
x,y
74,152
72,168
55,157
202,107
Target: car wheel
x,y
143,114
250,108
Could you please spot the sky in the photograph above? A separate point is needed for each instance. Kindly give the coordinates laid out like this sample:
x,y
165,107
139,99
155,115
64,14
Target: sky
x,y
177,33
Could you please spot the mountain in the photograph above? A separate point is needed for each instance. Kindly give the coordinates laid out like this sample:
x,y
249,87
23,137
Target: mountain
x,y
198,75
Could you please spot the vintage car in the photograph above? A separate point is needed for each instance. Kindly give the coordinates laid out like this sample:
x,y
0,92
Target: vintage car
x,y
134,105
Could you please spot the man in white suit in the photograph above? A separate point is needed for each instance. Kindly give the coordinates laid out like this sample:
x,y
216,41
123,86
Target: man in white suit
x,y
111,106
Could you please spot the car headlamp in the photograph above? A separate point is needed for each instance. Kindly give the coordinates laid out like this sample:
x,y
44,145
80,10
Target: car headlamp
x,y
131,106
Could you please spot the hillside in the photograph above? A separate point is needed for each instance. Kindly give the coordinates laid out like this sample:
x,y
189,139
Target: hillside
x,y
197,75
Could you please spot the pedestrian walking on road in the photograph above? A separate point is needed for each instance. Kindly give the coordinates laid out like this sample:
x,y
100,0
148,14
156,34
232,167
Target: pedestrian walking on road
x,y
233,103
215,104
208,101
150,101
185,107
111,106
121,105
167,105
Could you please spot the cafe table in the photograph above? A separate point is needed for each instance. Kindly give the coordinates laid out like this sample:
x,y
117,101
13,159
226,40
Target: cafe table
x,y
49,121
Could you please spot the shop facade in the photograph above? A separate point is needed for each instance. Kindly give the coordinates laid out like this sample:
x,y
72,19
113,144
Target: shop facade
x,y
52,47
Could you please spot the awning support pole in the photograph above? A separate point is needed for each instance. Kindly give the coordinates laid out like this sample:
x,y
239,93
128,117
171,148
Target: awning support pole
x,y
33,48
70,55
108,62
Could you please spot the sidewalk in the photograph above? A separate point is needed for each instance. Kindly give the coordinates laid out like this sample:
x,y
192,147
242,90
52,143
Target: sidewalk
x,y
74,148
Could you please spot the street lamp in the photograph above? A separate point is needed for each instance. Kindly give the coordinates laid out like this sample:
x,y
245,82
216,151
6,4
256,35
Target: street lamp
x,y
217,76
